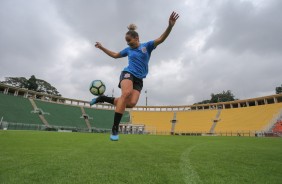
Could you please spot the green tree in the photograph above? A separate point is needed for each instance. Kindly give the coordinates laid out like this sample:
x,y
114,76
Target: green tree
x,y
20,82
225,96
32,83
47,88
279,89
203,102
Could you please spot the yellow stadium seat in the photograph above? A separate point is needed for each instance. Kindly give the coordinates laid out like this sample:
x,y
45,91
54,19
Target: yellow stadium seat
x,y
254,118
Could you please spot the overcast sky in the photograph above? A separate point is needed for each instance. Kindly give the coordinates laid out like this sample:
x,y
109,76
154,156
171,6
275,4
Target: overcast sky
x,y
214,46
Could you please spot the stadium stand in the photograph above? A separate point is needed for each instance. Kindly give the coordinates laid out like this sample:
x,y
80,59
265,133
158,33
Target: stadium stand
x,y
195,121
256,114
17,110
253,118
27,111
187,121
62,115
156,122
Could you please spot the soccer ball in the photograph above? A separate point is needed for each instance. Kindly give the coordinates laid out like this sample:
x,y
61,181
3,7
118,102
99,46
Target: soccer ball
x,y
97,87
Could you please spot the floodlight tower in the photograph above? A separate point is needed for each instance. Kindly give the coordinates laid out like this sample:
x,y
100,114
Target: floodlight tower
x,y
146,92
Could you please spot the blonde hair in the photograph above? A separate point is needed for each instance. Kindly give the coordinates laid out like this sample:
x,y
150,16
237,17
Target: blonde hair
x,y
131,27
132,32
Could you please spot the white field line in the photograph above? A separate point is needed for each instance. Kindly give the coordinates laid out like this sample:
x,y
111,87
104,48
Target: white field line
x,y
190,175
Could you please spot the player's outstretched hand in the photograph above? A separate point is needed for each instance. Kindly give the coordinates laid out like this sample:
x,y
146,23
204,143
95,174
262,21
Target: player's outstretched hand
x,y
98,45
172,19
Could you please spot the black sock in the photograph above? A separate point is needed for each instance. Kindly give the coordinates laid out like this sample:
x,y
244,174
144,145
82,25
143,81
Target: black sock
x,y
117,119
107,99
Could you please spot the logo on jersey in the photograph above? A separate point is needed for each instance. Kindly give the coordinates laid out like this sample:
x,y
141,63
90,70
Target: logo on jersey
x,y
127,75
144,50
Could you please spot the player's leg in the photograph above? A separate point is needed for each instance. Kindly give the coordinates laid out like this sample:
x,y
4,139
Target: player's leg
x,y
134,97
126,93
137,88
126,90
129,98
132,101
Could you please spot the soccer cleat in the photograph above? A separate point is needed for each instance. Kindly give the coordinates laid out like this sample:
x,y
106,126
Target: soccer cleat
x,y
99,99
93,101
114,137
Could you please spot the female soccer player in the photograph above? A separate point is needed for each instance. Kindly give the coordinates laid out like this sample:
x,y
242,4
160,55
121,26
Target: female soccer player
x,y
131,82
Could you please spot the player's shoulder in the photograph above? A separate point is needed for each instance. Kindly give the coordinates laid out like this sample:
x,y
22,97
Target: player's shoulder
x,y
148,42
126,49
151,42
150,45
124,52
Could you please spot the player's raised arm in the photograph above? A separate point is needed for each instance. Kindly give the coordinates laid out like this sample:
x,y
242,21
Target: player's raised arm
x,y
107,51
172,19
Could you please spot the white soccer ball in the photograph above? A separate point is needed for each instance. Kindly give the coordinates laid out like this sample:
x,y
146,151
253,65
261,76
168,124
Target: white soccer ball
x,y
97,87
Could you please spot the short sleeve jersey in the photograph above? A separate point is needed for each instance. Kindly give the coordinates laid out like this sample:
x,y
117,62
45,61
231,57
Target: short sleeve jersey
x,y
138,59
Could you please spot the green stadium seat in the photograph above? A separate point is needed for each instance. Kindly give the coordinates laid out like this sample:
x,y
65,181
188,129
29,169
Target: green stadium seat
x,y
61,114
17,109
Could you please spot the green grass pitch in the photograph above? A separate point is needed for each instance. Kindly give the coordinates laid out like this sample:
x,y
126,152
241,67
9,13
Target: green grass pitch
x,y
52,157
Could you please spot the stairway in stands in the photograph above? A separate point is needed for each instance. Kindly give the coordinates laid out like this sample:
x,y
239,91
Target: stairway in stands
x,y
44,121
215,121
85,118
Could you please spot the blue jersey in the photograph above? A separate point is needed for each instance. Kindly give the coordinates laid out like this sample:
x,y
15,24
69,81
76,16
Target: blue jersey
x,y
138,59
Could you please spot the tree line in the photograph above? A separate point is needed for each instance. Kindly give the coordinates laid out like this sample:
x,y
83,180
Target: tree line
x,y
227,96
224,96
33,84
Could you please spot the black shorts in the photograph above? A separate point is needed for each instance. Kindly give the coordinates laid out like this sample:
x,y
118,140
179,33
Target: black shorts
x,y
137,83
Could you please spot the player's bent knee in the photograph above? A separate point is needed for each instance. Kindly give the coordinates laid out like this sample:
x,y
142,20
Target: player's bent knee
x,y
126,94
131,104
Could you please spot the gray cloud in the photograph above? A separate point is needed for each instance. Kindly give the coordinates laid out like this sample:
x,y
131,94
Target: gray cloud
x,y
214,46
25,36
241,26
